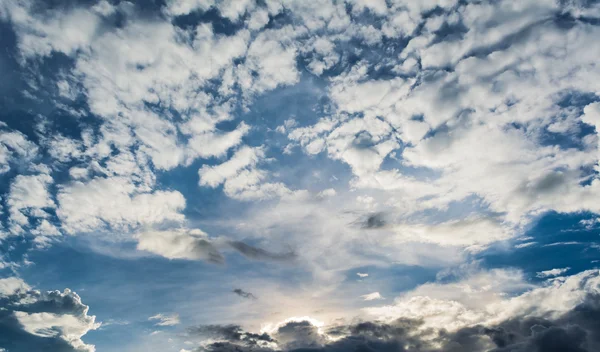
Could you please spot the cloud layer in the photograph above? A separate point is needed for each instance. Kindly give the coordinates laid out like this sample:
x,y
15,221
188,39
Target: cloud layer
x,y
369,163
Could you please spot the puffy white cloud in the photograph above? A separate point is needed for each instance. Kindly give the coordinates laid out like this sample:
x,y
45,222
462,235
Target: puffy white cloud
x,y
179,244
55,31
378,7
488,298
14,146
115,203
28,196
183,7
215,175
437,135
49,321
48,325
242,179
12,285
270,62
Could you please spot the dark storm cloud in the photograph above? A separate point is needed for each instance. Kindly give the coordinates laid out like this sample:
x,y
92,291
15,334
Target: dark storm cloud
x,y
231,333
256,253
242,293
576,331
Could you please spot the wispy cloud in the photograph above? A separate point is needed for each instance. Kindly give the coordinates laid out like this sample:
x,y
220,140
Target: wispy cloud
x,y
244,294
165,319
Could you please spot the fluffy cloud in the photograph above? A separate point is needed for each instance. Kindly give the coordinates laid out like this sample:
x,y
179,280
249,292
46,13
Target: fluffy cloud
x,y
243,158
179,244
49,321
443,127
14,146
242,179
28,197
115,202
530,321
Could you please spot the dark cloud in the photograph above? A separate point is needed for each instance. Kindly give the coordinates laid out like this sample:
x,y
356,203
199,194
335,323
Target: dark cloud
x,y
576,331
242,293
372,221
296,335
231,333
256,253
14,335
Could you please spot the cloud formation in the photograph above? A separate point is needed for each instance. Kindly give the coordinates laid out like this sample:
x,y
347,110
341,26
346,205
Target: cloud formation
x,y
256,253
404,139
243,294
165,319
575,330
49,321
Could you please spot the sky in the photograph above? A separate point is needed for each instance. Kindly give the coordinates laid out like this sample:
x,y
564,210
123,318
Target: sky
x,y
299,176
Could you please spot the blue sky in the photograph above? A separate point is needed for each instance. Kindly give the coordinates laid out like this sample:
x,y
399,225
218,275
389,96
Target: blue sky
x,y
290,175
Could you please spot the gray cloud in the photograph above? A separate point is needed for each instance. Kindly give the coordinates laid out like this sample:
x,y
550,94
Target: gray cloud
x,y
374,221
231,333
256,253
576,331
242,293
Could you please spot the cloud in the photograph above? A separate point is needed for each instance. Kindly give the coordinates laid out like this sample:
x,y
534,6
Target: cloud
x,y
372,296
241,178
49,321
59,31
450,125
552,272
115,203
165,319
244,294
179,244
574,327
14,147
215,175
374,221
256,253
28,196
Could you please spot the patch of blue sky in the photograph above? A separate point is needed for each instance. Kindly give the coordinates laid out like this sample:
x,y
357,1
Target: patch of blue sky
x,y
553,241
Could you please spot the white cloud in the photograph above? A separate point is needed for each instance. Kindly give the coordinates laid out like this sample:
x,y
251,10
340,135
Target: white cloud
x,y
28,196
59,317
438,134
552,272
12,285
372,296
179,244
57,31
115,203
64,149
469,232
488,298
165,319
244,157
525,245
242,179
183,7
14,146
